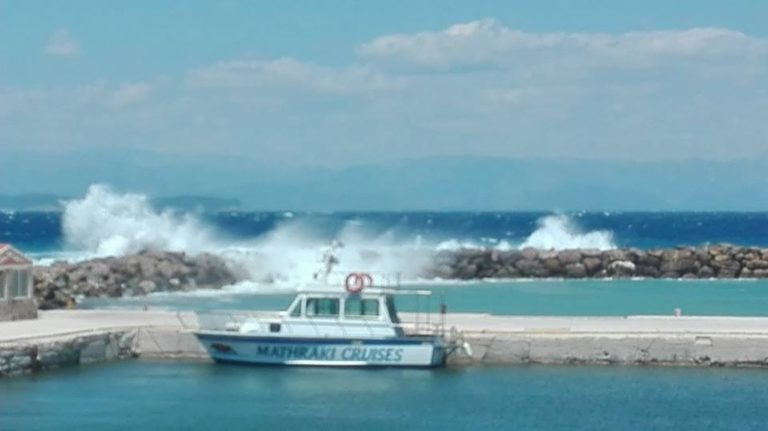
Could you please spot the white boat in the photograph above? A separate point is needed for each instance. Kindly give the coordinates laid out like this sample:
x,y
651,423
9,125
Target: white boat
x,y
353,327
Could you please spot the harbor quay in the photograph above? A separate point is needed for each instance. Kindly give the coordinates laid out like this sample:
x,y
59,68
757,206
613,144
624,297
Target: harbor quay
x,y
60,338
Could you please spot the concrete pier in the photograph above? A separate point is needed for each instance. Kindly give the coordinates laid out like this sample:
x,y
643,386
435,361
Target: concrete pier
x,y
632,340
70,337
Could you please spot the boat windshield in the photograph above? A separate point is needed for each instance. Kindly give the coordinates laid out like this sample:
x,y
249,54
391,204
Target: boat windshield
x,y
392,310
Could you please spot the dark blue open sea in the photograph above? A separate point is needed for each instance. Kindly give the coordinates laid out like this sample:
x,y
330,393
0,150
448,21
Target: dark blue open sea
x,y
39,232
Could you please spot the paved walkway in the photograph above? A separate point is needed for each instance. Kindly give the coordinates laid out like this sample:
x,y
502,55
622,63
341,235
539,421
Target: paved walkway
x,y
52,324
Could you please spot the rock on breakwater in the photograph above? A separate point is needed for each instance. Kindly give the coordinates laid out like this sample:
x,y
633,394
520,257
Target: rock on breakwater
x,y
720,261
59,284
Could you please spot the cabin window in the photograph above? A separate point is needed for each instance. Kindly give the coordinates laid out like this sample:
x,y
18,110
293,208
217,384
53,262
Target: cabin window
x,y
296,310
361,308
322,307
19,283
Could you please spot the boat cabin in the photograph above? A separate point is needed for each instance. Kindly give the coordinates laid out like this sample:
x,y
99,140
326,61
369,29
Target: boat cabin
x,y
16,300
355,327
371,314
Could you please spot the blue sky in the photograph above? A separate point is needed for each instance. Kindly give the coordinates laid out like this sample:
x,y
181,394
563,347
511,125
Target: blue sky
x,y
137,40
337,84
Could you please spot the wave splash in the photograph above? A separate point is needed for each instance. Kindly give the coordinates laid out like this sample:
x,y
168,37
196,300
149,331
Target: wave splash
x,y
107,223
557,232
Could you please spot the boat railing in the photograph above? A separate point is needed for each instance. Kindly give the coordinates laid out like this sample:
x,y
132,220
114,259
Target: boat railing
x,y
227,320
232,320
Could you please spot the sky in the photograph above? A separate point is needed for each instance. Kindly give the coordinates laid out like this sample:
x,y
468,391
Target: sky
x,y
337,84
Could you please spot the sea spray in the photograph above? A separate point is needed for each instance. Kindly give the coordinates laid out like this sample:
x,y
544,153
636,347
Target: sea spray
x,y
557,232
108,223
105,223
292,254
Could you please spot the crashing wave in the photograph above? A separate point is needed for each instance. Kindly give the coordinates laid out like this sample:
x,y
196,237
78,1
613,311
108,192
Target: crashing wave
x,y
107,223
557,232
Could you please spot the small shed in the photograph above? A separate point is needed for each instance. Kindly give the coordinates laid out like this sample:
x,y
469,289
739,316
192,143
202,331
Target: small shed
x,y
16,300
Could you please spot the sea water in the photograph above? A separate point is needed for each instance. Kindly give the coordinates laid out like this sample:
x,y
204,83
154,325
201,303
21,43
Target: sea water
x,y
200,396
282,247
526,297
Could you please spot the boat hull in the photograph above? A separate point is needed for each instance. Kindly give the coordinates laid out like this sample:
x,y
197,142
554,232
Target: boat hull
x,y
328,352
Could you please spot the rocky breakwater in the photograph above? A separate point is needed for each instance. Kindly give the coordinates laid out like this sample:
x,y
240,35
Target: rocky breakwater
x,y
720,261
60,284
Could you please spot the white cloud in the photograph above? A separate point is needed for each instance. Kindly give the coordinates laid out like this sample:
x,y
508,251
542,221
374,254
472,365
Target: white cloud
x,y
62,44
129,94
18,100
286,74
475,88
489,43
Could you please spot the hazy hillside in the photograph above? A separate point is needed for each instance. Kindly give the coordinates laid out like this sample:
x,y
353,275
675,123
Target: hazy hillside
x,y
429,184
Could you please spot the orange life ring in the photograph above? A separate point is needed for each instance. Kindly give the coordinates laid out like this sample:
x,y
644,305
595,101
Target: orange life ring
x,y
356,281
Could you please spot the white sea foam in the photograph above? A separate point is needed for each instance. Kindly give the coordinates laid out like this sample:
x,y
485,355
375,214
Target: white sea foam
x,y
453,245
107,223
558,232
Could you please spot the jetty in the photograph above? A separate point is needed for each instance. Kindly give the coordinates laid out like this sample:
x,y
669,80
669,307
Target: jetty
x,y
60,284
61,338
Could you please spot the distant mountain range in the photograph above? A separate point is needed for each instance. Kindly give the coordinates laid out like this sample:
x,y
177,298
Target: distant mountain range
x,y
436,184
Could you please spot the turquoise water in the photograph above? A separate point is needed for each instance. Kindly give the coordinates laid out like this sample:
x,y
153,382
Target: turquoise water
x,y
537,297
200,396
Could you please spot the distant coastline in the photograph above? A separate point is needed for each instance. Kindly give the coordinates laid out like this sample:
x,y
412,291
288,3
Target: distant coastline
x,y
54,203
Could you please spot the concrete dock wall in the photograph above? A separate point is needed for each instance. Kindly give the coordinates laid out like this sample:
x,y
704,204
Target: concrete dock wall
x,y
159,343
44,354
65,338
596,349
152,343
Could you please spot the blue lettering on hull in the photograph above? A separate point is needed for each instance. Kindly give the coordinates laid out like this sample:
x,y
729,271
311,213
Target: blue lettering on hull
x,y
372,354
271,353
293,353
411,352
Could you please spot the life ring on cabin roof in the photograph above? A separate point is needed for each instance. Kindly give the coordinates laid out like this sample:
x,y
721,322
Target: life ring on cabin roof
x,y
356,281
